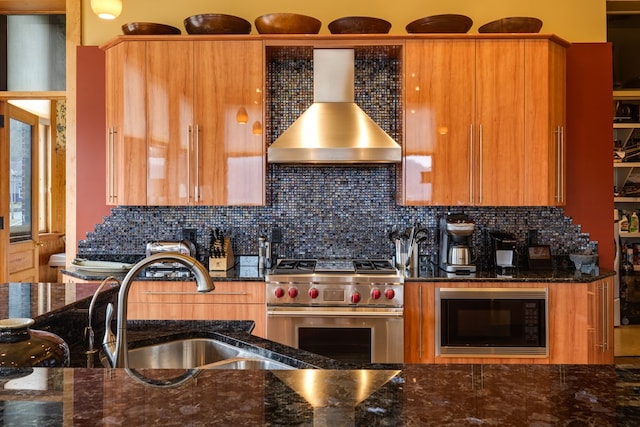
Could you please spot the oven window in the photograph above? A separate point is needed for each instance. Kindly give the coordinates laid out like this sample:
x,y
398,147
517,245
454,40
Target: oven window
x,y
344,344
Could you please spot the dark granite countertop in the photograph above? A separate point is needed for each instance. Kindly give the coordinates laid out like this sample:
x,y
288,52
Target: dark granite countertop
x,y
414,395
321,392
251,273
238,273
520,275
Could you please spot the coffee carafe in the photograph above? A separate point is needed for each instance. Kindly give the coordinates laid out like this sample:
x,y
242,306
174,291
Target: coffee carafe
x,y
456,233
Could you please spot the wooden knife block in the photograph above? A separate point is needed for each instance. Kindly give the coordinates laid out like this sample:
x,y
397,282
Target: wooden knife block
x,y
223,263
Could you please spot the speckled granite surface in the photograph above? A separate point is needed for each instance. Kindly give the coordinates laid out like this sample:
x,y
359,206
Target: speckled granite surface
x,y
555,275
416,395
331,393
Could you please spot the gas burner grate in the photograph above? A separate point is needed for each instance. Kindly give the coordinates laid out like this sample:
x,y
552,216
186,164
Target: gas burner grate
x,y
295,266
373,266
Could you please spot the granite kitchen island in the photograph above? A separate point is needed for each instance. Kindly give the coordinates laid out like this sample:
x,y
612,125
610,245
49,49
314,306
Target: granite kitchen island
x,y
318,392
415,395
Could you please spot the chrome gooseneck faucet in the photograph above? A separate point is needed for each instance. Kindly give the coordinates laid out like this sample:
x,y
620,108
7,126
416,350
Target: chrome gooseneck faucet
x,y
88,331
115,346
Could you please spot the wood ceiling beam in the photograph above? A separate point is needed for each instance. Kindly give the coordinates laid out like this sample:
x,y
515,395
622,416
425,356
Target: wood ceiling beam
x,y
32,7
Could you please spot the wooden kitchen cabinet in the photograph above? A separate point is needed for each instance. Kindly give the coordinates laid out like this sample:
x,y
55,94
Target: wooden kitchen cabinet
x,y
174,300
419,322
439,117
126,124
169,100
545,123
581,322
199,125
484,122
580,317
230,152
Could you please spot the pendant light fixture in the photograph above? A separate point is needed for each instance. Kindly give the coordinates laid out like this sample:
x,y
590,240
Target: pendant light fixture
x,y
106,9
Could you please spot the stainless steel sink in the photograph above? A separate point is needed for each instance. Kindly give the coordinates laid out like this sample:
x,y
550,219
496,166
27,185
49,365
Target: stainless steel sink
x,y
198,353
252,362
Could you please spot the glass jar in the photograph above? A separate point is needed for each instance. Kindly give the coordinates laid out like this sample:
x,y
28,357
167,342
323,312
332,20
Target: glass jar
x,y
22,347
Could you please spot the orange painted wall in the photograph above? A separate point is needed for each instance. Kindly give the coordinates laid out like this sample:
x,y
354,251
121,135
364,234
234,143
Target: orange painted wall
x,y
91,168
589,144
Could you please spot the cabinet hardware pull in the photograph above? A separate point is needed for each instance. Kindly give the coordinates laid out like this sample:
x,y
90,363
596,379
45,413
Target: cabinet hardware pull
x,y
559,138
605,317
189,147
471,163
562,163
420,322
480,171
197,189
213,293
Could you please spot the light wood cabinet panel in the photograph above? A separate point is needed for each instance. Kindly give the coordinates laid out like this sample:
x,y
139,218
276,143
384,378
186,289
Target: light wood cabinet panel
x,y
545,122
197,124
230,158
174,300
568,323
439,117
126,124
169,80
419,326
580,317
581,322
484,122
600,296
500,122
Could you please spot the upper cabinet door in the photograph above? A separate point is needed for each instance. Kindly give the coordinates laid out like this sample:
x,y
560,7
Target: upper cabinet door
x,y
439,120
545,121
228,130
126,124
500,82
169,81
185,123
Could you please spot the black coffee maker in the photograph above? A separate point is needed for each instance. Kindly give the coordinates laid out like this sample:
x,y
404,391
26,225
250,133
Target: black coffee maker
x,y
504,253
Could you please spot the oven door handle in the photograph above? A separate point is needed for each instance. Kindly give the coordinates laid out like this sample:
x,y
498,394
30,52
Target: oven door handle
x,y
327,313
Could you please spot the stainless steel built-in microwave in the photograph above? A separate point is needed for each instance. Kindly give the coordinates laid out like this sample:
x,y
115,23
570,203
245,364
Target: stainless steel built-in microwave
x,y
492,322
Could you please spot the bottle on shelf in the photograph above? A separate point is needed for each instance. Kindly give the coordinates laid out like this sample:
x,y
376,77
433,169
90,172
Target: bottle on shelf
x,y
633,223
624,224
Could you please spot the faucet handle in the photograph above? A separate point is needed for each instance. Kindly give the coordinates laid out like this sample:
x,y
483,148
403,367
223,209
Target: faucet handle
x,y
109,340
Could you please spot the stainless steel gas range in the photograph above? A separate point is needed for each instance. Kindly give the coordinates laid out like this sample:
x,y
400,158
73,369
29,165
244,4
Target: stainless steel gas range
x,y
349,310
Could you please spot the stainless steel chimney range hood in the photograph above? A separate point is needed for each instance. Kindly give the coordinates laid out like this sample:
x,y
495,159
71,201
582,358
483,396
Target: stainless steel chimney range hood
x,y
334,130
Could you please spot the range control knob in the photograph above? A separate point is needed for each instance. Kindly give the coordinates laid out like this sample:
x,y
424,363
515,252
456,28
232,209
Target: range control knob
x,y
355,298
376,293
279,292
314,293
389,293
293,292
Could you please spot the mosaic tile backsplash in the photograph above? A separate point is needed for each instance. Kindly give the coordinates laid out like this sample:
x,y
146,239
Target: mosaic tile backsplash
x,y
324,212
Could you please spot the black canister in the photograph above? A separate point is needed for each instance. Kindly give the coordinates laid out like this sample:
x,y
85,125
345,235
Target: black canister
x,y
21,347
